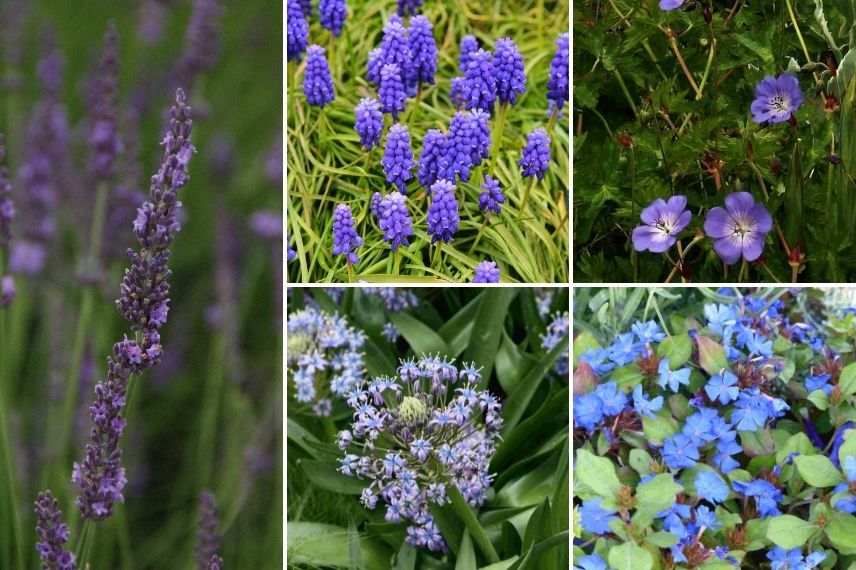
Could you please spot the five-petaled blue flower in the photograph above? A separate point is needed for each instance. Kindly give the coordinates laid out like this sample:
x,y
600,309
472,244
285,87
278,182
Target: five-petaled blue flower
x,y
643,406
711,487
722,387
595,519
767,496
674,378
680,451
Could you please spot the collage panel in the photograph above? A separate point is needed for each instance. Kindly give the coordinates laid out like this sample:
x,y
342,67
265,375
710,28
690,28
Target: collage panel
x,y
141,285
723,137
428,142
427,428
713,427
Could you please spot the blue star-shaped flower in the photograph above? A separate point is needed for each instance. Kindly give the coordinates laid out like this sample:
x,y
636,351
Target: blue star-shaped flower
x,y
643,406
674,378
679,451
595,519
722,387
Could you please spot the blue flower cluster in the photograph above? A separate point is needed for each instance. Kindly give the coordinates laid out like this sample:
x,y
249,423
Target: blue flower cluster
x,y
332,14
397,157
557,329
317,83
345,237
443,212
536,154
492,198
391,92
297,31
369,122
486,272
394,220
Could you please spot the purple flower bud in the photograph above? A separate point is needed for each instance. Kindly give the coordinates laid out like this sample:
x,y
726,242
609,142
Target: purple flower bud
x,y
394,220
443,213
480,81
317,83
374,204
208,536
558,87
374,65
536,154
461,142
297,32
433,151
369,122
406,7
345,237
469,44
7,208
332,14
216,563
52,533
395,48
423,49
7,291
486,272
398,157
481,149
392,94
492,198
104,142
510,75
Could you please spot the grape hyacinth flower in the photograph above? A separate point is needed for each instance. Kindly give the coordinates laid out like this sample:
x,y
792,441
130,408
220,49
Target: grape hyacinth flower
x,y
557,329
306,8
345,237
53,534
739,228
443,213
208,536
492,198
374,65
433,151
480,81
369,122
317,83
510,75
456,92
439,432
481,130
332,14
394,220
662,222
469,45
392,93
461,144
423,49
776,99
398,157
104,142
324,356
395,49
486,272
406,7
297,31
290,253
144,302
374,204
396,299
536,155
7,291
558,86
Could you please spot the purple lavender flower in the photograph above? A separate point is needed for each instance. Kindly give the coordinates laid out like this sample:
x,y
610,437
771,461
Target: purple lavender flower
x,y
374,65
266,224
398,157
332,14
776,99
216,563
480,81
486,272
443,213
395,48
202,41
394,220
406,7
492,198
208,536
558,87
461,142
369,122
345,237
671,4
144,303
53,534
7,291
317,83
662,222
423,48
510,75
104,141
481,149
433,150
739,228
273,163
297,33
374,204
536,154
7,208
442,436
150,20
392,93
469,45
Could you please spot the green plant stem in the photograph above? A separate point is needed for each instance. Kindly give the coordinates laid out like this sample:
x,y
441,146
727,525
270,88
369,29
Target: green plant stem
x,y
710,57
497,135
797,30
396,262
743,268
526,193
350,271
479,235
82,549
475,528
210,411
625,91
436,262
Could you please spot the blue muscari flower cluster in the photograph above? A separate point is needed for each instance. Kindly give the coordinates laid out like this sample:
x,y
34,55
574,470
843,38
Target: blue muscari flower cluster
x,y
297,31
345,237
443,212
492,198
374,204
415,435
397,157
369,122
423,49
486,272
396,299
325,358
374,65
558,86
406,7
332,14
394,220
469,44
557,329
392,94
464,141
510,75
536,154
479,81
306,7
395,49
433,151
290,253
317,83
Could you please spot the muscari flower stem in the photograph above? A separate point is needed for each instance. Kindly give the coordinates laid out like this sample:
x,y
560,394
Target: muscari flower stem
x,y
478,235
497,134
475,529
396,263
350,272
526,193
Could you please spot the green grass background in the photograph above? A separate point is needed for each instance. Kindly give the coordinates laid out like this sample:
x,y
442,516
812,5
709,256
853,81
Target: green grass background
x,y
326,165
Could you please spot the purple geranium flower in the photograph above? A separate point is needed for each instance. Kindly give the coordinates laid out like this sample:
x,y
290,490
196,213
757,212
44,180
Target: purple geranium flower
x,y
739,228
663,221
776,99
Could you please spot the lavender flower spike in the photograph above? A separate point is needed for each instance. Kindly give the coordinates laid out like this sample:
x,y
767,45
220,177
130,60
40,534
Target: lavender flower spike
x,y
7,208
480,81
394,220
536,154
443,213
776,99
208,536
486,272
423,48
558,86
739,228
392,93
297,32
332,14
144,303
492,198
510,75
345,237
202,41
104,140
317,83
369,122
398,157
662,222
433,150
53,534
